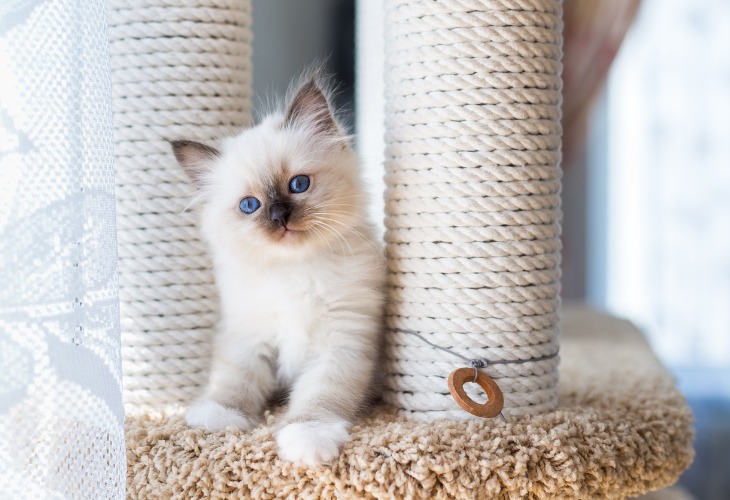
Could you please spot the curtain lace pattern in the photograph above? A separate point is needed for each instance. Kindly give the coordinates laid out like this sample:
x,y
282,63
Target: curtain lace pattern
x,y
61,414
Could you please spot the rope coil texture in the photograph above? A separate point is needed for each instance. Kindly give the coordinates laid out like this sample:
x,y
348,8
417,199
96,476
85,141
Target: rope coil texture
x,y
181,70
472,203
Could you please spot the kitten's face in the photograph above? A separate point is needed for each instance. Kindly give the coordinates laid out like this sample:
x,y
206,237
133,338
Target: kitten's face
x,y
283,188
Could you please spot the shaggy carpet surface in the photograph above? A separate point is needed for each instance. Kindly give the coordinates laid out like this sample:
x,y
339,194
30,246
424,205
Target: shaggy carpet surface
x,y
622,429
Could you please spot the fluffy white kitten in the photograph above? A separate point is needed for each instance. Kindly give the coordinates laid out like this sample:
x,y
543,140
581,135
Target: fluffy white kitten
x,y
299,273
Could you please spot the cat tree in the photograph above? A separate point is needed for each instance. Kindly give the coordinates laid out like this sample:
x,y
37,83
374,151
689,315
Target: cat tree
x,y
472,215
472,200
180,69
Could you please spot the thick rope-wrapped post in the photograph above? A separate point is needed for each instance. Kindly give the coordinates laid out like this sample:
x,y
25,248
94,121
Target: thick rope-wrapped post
x,y
181,70
472,202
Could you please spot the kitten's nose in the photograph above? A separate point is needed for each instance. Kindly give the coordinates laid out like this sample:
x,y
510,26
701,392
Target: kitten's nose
x,y
280,213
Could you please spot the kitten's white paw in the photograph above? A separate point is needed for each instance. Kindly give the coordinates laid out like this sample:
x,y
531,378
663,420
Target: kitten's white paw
x,y
214,417
312,443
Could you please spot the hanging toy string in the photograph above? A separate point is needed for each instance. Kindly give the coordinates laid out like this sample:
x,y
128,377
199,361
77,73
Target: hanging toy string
x,y
460,376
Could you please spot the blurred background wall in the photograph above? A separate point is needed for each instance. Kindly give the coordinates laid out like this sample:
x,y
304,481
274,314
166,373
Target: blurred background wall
x,y
646,192
658,208
291,35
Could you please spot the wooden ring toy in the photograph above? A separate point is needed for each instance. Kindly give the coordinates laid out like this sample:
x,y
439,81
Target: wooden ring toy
x,y
495,398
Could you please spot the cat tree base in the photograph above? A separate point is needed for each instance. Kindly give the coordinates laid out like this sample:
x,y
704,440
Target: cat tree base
x,y
621,429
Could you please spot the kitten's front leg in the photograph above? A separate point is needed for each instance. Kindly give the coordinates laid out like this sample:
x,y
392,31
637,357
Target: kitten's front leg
x,y
324,401
241,381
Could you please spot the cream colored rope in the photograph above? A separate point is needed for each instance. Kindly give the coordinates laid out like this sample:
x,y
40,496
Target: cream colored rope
x,y
181,69
472,204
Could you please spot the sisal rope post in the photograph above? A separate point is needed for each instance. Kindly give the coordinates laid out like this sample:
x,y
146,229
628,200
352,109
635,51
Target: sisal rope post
x,y
472,202
181,70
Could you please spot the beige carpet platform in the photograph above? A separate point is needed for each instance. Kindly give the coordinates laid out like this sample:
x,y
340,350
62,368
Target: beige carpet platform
x,y
621,430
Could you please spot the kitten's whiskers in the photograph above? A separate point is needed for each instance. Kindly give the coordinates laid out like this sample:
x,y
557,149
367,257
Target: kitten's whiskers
x,y
337,235
355,229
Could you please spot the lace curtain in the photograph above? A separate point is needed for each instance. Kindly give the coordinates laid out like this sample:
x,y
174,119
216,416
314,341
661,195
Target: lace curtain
x,y
61,414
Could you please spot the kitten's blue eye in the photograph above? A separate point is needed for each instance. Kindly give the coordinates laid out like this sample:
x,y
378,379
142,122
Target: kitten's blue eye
x,y
249,205
299,184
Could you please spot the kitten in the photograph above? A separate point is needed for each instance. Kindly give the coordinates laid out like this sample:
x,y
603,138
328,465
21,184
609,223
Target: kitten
x,y
299,272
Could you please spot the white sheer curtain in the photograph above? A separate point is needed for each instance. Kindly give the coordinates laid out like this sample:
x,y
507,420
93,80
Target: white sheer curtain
x,y
61,415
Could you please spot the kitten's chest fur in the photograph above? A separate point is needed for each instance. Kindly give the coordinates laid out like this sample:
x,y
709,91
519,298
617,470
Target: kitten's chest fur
x,y
282,306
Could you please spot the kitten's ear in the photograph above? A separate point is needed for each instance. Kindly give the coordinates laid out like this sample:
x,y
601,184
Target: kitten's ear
x,y
309,106
195,158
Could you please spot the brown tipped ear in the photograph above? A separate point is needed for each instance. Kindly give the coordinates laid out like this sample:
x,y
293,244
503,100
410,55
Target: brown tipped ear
x,y
195,158
309,106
